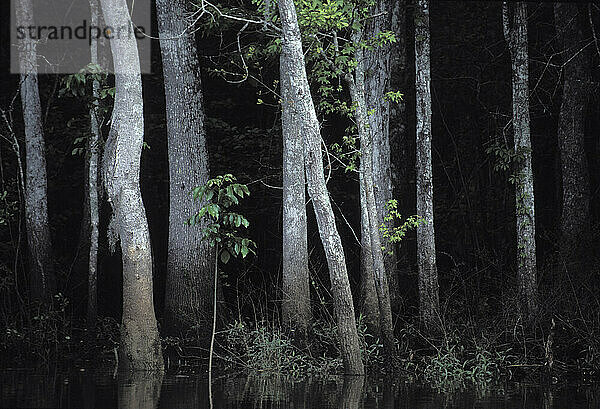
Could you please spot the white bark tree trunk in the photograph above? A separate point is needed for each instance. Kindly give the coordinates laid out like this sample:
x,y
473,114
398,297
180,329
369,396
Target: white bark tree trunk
x,y
300,105
42,283
516,36
295,308
428,276
94,141
140,343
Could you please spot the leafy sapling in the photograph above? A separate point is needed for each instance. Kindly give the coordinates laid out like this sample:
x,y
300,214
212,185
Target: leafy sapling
x,y
217,196
394,234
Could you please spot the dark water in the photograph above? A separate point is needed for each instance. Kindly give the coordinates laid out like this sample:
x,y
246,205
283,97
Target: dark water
x,y
87,390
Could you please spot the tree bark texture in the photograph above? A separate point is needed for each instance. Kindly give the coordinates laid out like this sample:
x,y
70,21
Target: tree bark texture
x,y
140,346
189,268
516,35
299,103
571,125
42,282
428,276
367,137
377,65
369,300
295,308
94,217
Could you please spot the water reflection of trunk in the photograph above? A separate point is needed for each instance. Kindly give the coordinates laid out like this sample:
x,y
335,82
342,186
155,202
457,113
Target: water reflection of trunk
x,y
140,389
390,390
352,392
548,399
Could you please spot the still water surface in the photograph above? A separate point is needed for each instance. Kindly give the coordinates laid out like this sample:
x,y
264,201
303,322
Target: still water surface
x,y
87,390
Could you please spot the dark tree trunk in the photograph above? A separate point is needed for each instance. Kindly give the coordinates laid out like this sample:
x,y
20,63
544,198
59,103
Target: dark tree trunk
x,y
576,90
295,308
299,103
140,346
368,204
377,64
42,283
189,275
515,32
428,276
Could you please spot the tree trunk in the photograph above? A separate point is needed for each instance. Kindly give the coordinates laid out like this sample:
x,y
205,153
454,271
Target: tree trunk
x,y
140,343
576,89
298,102
377,83
369,300
42,282
189,275
516,36
367,137
295,308
139,390
428,276
94,141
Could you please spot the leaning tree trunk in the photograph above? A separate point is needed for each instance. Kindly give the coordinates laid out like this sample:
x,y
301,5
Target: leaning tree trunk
x,y
42,282
94,141
576,89
140,343
377,83
189,284
516,35
295,306
367,138
296,99
428,276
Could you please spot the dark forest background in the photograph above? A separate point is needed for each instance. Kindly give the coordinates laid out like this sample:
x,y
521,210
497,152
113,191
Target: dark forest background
x,y
474,203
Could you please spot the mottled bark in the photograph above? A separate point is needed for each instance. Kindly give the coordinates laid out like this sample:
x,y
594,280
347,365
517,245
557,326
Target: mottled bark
x,y
140,343
298,101
368,292
377,64
42,281
515,32
367,136
576,91
295,307
189,285
428,276
94,218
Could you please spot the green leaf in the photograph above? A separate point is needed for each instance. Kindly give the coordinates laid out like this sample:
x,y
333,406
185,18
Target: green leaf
x,y
225,256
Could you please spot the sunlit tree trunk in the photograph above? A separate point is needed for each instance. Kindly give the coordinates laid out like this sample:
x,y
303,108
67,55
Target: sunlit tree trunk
x,y
295,308
515,32
367,137
42,283
140,346
189,275
94,218
428,276
576,90
296,99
